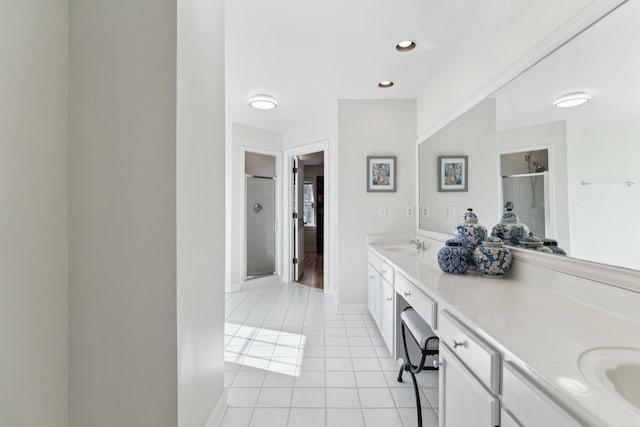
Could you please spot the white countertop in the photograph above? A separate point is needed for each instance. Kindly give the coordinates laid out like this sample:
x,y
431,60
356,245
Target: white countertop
x,y
543,332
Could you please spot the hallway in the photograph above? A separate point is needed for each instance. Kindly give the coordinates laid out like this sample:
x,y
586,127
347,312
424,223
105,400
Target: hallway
x,y
313,275
291,361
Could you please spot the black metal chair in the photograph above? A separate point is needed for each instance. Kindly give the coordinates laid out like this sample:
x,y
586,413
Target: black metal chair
x,y
429,347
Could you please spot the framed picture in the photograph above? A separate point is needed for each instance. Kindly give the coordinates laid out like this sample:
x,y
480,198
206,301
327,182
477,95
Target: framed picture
x,y
452,173
381,174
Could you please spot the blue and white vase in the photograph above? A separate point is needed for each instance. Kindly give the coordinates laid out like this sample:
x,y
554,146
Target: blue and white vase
x,y
470,232
510,229
492,257
553,245
534,243
454,258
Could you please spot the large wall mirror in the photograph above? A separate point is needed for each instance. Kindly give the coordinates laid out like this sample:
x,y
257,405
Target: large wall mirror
x,y
572,173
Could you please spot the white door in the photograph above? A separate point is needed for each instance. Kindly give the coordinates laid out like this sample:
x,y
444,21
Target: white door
x,y
464,401
298,217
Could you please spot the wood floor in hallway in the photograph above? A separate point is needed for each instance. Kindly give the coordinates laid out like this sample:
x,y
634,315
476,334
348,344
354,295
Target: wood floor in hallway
x,y
313,275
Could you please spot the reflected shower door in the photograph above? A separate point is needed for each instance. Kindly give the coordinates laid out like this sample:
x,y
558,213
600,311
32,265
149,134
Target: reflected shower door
x,y
261,222
528,195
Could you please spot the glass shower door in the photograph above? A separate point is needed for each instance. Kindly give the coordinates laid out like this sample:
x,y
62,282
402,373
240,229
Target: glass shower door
x,y
261,224
528,196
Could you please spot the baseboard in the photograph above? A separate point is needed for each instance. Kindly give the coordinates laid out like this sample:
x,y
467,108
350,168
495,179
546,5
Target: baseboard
x,y
218,411
233,287
352,308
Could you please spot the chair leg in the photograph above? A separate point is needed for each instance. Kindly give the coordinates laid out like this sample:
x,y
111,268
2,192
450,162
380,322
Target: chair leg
x,y
417,391
402,368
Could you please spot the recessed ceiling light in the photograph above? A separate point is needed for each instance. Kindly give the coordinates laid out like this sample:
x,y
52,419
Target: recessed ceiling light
x,y
385,84
572,99
263,102
406,46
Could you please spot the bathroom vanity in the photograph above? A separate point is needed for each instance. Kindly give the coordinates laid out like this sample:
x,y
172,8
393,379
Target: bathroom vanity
x,y
536,348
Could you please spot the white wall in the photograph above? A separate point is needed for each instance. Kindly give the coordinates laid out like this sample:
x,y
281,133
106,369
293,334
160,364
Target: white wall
x,y
200,216
370,127
242,137
473,134
604,153
122,191
512,36
33,217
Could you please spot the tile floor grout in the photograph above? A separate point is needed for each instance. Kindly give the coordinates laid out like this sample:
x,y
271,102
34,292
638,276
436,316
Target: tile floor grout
x,y
270,309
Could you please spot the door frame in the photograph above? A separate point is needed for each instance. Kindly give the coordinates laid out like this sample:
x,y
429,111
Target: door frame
x,y
287,219
278,208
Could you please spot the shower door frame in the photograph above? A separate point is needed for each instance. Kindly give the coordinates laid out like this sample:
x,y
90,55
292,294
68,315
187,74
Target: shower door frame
x,y
551,224
278,210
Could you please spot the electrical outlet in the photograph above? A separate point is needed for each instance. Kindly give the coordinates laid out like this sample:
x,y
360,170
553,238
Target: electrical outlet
x,y
408,211
382,212
425,211
451,211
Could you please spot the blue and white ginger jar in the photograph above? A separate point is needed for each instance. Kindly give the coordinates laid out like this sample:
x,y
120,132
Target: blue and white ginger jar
x,y
470,232
553,245
510,229
492,257
454,258
534,243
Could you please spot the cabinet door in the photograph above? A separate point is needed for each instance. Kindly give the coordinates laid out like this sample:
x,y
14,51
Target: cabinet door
x,y
464,401
374,294
386,313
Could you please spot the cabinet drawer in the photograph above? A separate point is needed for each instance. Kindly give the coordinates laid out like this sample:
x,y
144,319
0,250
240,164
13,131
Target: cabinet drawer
x,y
478,356
530,405
375,261
422,304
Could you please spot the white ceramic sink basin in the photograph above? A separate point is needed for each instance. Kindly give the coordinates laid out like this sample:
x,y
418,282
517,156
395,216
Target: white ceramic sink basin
x,y
616,369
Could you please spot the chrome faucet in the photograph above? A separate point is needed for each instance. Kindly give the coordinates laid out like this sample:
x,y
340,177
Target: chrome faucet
x,y
419,244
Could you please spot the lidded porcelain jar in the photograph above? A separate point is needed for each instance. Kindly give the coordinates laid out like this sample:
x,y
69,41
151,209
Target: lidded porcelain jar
x,y
469,231
510,229
553,245
454,258
534,243
492,257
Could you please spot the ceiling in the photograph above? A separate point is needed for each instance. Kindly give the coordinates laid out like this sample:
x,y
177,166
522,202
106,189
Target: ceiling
x,y
310,53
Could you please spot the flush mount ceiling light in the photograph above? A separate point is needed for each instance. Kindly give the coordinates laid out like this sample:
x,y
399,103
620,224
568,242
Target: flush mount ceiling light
x,y
405,46
572,99
385,84
263,102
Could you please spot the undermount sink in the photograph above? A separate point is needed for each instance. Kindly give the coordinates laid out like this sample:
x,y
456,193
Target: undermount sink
x,y
400,249
617,369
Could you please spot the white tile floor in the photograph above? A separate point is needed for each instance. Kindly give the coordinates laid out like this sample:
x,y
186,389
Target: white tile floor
x,y
291,361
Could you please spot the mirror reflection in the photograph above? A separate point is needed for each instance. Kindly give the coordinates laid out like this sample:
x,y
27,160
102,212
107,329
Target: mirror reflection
x,y
560,145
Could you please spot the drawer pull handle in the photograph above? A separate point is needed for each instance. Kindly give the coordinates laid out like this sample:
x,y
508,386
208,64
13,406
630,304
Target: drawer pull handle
x,y
372,277
407,293
384,271
437,363
457,344
389,298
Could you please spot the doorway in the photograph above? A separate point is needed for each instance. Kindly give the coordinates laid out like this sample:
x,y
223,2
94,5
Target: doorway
x,y
308,231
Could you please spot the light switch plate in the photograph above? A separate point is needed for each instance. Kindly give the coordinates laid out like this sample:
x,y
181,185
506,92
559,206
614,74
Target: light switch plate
x,y
382,212
451,211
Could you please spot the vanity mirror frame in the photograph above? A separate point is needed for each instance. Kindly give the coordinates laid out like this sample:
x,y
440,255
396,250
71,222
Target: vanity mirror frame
x,y
606,274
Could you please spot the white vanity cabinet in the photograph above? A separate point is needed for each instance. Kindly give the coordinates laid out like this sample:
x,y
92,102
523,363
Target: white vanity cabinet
x,y
381,298
464,401
469,376
527,404
373,301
